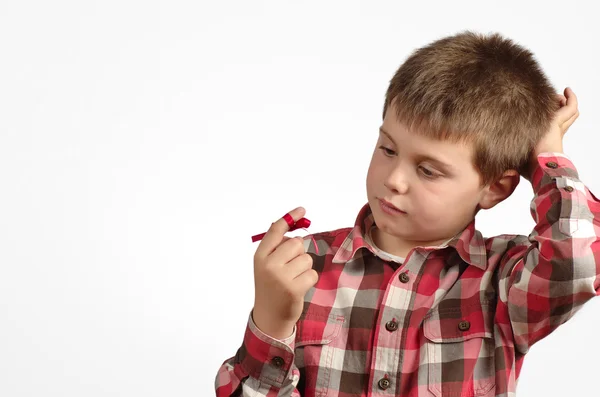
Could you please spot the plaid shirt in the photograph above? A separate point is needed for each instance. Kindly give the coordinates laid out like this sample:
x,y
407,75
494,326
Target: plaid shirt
x,y
454,320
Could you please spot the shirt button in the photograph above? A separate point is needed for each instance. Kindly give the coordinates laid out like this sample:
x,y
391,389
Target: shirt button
x,y
569,188
383,383
464,325
404,278
391,326
277,361
552,164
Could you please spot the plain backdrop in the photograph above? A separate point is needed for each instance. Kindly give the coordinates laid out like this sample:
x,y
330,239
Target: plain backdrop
x,y
142,144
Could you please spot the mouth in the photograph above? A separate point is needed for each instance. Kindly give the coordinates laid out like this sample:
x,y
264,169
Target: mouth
x,y
390,207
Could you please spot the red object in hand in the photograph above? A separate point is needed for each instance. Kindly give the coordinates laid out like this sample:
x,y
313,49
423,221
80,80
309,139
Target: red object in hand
x,y
302,223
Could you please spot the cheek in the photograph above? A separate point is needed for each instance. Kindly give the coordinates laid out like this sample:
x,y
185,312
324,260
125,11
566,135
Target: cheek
x,y
369,175
431,195
373,174
436,199
455,200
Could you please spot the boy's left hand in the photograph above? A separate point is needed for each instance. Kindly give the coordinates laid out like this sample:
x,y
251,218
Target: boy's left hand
x,y
552,141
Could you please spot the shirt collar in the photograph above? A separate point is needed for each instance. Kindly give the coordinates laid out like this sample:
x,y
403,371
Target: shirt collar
x,y
469,243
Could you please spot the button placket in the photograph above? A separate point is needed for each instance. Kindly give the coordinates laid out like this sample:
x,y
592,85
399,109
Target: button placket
x,y
396,305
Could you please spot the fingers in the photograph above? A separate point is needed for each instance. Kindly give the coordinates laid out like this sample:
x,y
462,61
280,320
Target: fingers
x,y
298,265
305,281
570,121
276,232
571,98
288,251
568,112
301,272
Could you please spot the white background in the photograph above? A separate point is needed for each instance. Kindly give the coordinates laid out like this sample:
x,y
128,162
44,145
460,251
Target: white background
x,y
143,143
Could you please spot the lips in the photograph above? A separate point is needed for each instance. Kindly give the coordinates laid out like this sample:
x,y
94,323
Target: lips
x,y
388,204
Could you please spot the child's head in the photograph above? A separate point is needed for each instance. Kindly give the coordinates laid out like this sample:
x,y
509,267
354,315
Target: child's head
x,y
478,104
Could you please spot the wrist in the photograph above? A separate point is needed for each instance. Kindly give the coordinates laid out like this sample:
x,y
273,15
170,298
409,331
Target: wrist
x,y
548,146
554,149
533,160
276,329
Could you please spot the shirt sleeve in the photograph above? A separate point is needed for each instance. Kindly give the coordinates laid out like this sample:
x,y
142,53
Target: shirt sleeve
x,y
263,366
545,281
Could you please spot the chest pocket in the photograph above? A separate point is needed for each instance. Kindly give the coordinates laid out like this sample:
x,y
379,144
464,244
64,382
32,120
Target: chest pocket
x,y
459,348
316,335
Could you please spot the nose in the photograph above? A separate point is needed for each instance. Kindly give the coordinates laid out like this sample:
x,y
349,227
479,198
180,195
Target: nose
x,y
397,181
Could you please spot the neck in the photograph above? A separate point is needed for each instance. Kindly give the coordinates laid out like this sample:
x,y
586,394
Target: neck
x,y
400,247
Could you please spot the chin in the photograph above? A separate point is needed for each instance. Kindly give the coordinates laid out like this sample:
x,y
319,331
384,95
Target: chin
x,y
388,226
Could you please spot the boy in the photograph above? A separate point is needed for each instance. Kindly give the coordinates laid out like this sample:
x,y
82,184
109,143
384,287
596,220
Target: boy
x,y
413,301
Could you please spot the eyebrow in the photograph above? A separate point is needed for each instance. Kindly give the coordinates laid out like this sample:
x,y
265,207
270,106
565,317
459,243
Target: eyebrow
x,y
421,156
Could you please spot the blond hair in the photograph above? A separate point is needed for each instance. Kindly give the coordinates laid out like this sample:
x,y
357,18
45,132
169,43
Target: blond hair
x,y
485,90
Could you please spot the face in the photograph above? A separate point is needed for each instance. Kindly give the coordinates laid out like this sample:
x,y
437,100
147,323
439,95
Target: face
x,y
434,183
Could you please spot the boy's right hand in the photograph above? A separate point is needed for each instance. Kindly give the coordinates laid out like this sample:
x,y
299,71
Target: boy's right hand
x,y
283,275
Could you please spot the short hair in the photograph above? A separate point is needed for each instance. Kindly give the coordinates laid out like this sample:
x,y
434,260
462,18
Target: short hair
x,y
485,90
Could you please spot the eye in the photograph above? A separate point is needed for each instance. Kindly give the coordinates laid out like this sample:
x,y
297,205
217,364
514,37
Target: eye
x,y
427,173
387,151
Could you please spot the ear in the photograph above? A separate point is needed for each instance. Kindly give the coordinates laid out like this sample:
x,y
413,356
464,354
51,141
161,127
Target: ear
x,y
499,190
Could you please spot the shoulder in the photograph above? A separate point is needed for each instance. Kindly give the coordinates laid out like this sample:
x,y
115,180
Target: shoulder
x,y
325,242
498,246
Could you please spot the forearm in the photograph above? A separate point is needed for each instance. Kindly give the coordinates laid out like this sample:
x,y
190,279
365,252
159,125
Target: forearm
x,y
550,278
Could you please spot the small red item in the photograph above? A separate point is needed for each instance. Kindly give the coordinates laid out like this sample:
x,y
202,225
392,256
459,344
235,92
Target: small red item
x,y
302,223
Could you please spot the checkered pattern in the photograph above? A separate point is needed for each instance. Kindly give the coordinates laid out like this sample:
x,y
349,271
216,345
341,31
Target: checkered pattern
x,y
460,324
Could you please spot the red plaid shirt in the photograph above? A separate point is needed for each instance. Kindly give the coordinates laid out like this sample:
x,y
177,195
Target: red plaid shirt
x,y
455,320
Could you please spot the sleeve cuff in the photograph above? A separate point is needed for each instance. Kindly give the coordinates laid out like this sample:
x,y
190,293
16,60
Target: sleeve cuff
x,y
289,341
266,358
552,165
